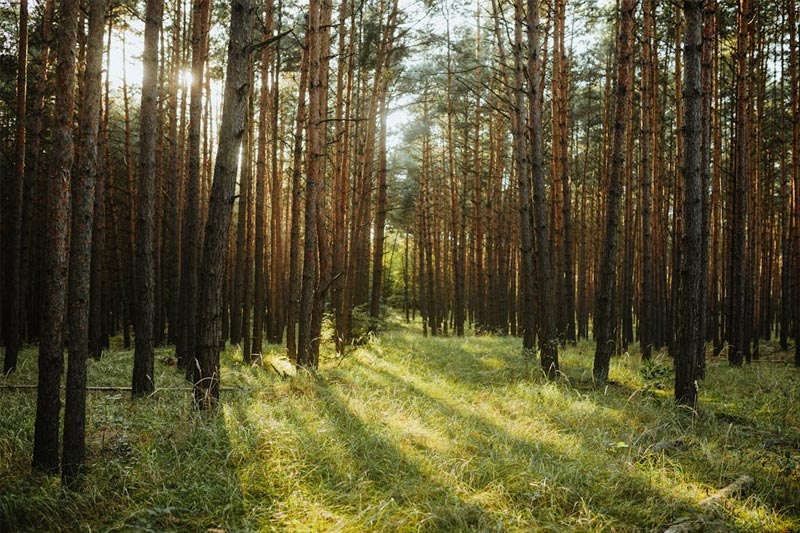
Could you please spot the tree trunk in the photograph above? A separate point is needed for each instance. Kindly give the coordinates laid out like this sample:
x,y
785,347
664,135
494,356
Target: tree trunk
x,y
691,272
143,360
294,243
48,401
604,322
13,295
736,316
646,180
548,333
190,234
174,185
307,357
522,167
215,245
794,66
35,182
707,86
261,178
80,258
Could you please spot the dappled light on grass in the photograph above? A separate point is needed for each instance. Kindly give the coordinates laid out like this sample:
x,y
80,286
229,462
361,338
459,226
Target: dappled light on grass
x,y
420,434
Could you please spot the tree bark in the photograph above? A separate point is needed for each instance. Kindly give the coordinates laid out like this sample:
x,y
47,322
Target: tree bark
x,y
736,314
548,332
522,167
307,356
646,180
13,296
190,233
691,271
143,360
48,402
215,245
80,258
794,66
604,322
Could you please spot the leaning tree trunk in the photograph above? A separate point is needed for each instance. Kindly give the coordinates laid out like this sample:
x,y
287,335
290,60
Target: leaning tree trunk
x,y
215,245
604,322
48,401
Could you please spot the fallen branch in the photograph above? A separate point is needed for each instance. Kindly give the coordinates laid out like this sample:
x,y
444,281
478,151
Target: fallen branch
x,y
700,524
113,389
715,501
711,506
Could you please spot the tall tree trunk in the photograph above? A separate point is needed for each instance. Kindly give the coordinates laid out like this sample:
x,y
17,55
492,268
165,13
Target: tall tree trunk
x,y
35,179
174,185
385,56
341,173
277,253
548,333
736,320
691,271
246,181
604,322
261,178
522,166
294,243
80,258
646,180
794,66
560,150
48,402
130,281
99,284
707,86
143,360
13,295
307,356
190,234
215,245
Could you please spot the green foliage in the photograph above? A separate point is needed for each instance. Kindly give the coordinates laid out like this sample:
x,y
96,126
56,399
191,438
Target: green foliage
x,y
415,434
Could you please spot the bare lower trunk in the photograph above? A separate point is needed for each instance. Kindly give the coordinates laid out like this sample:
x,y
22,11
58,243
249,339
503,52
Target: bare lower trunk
x,y
604,320
48,402
215,246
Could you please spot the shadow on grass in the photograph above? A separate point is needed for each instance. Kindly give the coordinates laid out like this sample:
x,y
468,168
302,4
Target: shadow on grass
x,y
577,474
153,465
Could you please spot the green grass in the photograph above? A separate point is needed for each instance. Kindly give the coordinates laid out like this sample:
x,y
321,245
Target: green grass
x,y
416,434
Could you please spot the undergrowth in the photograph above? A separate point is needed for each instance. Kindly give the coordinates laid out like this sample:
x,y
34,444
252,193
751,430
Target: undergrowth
x,y
407,433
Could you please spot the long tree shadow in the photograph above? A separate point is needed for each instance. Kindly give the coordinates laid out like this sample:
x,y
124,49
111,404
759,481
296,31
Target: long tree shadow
x,y
153,464
401,492
573,471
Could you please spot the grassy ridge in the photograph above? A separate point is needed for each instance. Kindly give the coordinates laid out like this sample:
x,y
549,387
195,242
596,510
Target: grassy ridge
x,y
417,434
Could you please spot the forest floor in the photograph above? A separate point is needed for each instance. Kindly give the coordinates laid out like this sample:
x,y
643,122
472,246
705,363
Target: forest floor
x,y
409,433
